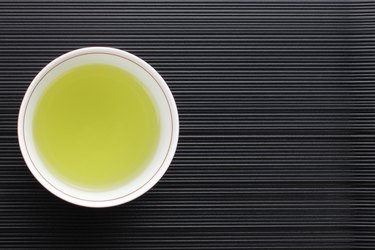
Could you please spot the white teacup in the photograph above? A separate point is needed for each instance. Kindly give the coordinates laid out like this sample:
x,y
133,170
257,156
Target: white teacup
x,y
164,102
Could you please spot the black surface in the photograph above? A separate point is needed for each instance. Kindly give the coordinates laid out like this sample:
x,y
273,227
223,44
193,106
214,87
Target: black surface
x,y
276,102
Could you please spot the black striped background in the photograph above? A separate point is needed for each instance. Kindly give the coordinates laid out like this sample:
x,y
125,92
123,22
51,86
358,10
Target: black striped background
x,y
276,102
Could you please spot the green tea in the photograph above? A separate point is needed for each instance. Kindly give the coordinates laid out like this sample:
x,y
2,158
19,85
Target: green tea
x,y
96,127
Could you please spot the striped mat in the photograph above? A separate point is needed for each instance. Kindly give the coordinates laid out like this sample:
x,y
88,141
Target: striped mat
x,y
277,116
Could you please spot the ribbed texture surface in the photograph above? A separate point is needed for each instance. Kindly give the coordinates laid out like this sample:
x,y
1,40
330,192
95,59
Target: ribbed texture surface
x,y
276,102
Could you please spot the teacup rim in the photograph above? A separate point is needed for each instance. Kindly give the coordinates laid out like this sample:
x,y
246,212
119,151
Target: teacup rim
x,y
148,183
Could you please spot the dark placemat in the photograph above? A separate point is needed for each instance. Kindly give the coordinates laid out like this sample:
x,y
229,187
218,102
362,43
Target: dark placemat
x,y
276,102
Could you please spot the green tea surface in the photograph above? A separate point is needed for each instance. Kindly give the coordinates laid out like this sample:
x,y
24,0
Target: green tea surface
x,y
96,127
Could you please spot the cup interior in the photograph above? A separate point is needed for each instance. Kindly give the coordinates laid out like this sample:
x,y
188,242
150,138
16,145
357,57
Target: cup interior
x,y
163,101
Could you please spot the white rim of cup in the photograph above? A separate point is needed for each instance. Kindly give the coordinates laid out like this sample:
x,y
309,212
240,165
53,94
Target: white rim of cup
x,y
123,198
